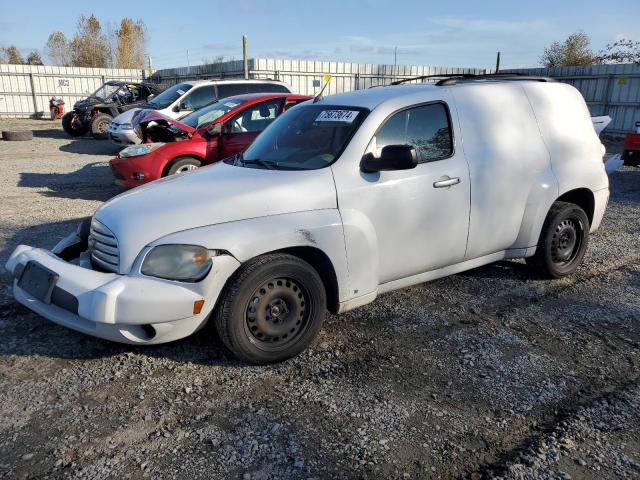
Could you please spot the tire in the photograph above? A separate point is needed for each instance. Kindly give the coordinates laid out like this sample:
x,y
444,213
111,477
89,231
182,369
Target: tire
x,y
99,125
563,241
72,125
17,135
271,309
183,164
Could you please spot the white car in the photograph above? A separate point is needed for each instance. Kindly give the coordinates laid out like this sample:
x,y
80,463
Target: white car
x,y
337,201
181,99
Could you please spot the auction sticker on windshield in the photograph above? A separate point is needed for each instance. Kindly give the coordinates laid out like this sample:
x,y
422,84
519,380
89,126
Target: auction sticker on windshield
x,y
347,116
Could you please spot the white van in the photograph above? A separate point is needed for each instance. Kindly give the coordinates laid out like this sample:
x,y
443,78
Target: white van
x,y
181,99
337,201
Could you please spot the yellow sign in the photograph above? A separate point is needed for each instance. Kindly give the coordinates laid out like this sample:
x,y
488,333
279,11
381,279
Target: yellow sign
x,y
327,78
622,81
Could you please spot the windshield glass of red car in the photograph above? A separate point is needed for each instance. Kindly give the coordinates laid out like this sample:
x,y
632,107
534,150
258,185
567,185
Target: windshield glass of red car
x,y
307,137
211,112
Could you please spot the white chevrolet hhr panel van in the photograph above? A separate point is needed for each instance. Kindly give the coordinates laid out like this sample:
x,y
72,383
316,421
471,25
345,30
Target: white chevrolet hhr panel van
x,y
339,200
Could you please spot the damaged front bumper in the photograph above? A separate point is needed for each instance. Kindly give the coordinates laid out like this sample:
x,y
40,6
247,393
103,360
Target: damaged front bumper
x,y
133,308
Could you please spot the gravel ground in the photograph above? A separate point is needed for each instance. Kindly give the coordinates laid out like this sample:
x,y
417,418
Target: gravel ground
x,y
483,374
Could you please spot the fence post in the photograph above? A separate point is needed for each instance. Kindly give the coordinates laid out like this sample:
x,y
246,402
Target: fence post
x,y
607,94
33,94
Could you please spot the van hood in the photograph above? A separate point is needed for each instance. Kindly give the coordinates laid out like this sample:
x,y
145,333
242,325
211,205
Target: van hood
x,y
211,195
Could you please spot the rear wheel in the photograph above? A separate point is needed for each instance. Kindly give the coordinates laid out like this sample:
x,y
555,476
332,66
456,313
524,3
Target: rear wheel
x,y
72,124
271,309
183,165
99,125
563,241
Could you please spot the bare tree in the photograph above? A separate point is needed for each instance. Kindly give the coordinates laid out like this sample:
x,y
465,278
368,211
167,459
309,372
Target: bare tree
x,y
90,46
621,51
34,58
574,51
58,49
131,44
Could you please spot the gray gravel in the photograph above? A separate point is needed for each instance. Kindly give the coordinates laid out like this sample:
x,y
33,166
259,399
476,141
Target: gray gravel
x,y
484,374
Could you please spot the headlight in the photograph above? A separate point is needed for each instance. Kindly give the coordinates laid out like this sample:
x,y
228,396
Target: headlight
x,y
137,150
187,263
126,126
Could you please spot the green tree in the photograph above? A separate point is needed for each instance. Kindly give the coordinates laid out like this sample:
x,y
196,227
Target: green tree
x,y
34,58
90,46
13,56
58,49
574,51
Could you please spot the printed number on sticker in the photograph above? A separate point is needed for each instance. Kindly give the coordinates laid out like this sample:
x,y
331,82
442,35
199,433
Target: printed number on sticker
x,y
347,116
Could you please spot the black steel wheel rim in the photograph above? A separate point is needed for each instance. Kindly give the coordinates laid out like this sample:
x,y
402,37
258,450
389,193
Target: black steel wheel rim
x,y
277,314
567,240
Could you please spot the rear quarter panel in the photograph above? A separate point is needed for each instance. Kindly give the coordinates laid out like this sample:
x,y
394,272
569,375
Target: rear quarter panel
x,y
565,125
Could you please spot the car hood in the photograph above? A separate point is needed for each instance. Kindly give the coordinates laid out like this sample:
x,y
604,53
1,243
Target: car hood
x,y
161,118
211,195
126,116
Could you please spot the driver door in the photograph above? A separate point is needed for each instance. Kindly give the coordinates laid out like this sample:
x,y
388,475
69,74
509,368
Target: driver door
x,y
420,216
241,130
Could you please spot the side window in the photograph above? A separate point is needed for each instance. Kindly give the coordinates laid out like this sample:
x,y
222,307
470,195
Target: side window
x,y
255,118
200,97
231,89
425,128
266,88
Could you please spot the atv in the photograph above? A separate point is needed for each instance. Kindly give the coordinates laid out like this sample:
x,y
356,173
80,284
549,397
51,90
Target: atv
x,y
96,111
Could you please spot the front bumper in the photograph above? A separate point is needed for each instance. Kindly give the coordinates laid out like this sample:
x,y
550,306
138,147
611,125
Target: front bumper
x,y
131,172
132,309
123,137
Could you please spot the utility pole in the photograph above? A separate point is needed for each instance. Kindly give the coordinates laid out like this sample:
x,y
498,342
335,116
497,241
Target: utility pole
x,y
395,63
245,55
149,63
497,62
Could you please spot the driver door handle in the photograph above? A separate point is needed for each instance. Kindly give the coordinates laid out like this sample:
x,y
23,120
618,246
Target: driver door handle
x,y
447,182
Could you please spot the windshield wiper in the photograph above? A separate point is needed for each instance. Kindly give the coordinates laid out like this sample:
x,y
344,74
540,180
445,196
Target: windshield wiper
x,y
257,161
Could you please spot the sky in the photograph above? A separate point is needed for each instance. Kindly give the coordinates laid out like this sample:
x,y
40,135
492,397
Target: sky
x,y
442,33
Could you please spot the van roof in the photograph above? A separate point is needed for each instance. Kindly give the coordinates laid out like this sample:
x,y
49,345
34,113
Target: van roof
x,y
372,97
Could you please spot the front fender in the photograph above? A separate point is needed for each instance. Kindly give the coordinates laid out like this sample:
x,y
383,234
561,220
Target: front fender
x,y
246,239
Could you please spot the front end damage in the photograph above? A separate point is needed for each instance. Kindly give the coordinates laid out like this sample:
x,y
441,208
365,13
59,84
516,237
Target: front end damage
x,y
70,288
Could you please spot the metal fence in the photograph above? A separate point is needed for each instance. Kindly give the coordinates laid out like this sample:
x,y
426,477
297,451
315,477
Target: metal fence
x,y
612,90
25,90
305,76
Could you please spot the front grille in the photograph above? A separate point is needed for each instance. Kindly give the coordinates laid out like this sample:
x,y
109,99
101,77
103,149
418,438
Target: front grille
x,y
103,246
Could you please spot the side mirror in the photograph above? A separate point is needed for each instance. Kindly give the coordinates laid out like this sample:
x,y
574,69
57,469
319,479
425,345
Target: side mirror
x,y
151,95
214,129
183,106
392,157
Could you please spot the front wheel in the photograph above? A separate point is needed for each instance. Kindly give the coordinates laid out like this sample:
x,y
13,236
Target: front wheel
x,y
99,125
563,241
183,165
73,125
271,309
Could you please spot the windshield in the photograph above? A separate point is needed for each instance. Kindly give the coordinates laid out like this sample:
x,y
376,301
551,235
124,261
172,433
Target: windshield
x,y
106,91
306,137
210,113
169,96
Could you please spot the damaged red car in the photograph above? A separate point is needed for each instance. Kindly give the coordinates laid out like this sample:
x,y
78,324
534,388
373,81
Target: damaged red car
x,y
217,131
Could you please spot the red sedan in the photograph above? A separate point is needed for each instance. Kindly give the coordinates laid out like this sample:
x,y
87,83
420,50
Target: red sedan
x,y
205,136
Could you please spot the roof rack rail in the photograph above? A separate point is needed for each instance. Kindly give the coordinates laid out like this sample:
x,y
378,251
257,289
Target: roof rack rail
x,y
453,78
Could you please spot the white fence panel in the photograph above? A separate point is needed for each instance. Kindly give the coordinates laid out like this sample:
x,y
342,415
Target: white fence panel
x,y
25,90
